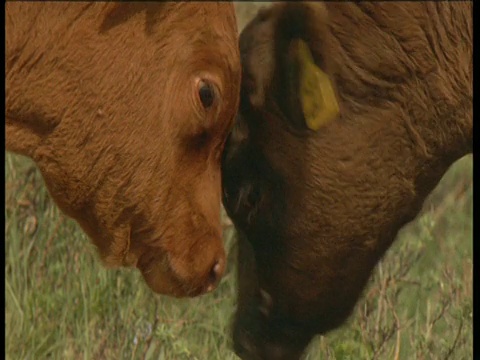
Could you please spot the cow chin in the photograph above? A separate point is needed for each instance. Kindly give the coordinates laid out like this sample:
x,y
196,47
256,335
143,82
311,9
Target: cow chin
x,y
256,336
179,276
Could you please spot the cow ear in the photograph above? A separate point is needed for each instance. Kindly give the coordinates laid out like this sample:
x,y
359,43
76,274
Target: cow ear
x,y
306,93
315,90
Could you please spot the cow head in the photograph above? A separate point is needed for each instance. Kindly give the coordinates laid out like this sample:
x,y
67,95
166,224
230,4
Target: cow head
x,y
319,176
264,174
125,109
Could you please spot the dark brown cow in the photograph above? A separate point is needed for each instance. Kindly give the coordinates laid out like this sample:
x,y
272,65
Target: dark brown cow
x,y
125,108
318,202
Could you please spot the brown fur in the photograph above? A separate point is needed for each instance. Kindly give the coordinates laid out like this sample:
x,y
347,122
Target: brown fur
x,y
316,211
104,98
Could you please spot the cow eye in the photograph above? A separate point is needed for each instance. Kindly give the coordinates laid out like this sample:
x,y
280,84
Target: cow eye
x,y
206,93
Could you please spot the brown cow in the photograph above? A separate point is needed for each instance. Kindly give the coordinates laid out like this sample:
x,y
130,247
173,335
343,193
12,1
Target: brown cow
x,y
316,210
125,108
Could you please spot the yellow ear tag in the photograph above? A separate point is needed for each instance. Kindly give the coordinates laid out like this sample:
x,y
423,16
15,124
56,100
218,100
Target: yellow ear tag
x,y
317,96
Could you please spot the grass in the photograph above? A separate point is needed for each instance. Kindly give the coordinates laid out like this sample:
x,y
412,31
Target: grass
x,y
62,304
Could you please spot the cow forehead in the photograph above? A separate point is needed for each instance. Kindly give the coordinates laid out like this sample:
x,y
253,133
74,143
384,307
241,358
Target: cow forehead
x,y
196,37
178,14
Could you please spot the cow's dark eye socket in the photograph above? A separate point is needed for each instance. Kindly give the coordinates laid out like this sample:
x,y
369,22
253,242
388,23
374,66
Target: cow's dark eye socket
x,y
206,93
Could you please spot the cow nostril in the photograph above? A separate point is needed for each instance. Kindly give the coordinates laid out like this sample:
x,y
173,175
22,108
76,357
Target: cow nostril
x,y
215,272
265,304
214,275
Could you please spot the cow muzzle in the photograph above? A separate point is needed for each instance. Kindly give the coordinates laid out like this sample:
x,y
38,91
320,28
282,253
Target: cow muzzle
x,y
183,276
